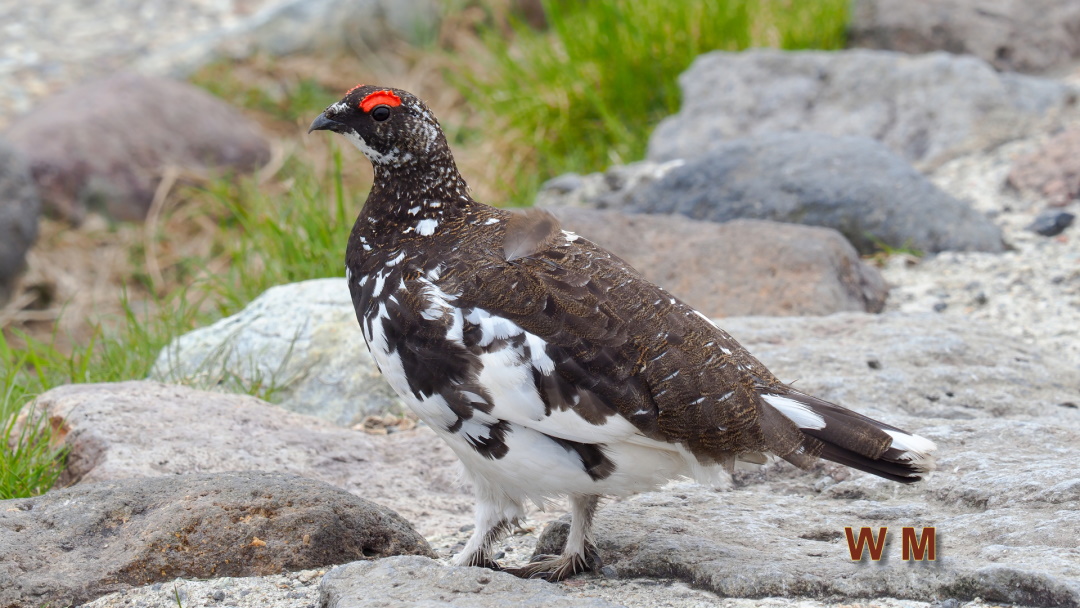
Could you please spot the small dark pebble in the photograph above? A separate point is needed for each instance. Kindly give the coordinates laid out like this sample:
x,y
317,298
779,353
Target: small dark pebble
x,y
981,299
245,592
466,528
1070,405
609,572
1051,223
499,555
219,595
940,306
873,364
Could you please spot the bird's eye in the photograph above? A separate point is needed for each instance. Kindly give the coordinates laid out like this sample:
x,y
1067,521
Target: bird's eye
x,y
380,113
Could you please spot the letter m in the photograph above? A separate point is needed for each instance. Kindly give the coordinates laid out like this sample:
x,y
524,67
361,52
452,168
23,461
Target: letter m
x,y
914,548
866,540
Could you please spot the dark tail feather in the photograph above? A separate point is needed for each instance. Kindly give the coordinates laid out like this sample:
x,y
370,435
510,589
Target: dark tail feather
x,y
838,434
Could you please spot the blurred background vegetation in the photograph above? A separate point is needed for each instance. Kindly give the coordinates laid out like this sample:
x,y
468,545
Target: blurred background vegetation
x,y
525,92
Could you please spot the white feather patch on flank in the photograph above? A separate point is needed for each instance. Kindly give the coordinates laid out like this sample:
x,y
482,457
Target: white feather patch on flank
x,y
914,447
799,413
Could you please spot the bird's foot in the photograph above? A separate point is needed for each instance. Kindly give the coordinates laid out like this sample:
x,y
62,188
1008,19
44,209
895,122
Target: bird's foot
x,y
481,559
554,568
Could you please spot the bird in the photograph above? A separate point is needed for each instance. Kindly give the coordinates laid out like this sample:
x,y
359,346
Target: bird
x,y
550,366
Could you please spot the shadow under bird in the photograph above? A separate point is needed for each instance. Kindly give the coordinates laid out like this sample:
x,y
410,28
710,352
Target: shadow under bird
x,y
550,366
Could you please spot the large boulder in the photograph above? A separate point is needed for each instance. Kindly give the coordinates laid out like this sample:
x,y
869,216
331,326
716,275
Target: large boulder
x,y
146,429
926,108
300,341
852,184
1020,35
106,144
20,208
72,545
743,267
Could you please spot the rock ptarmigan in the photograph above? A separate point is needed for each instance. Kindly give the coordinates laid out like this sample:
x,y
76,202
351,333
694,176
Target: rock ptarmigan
x,y
550,366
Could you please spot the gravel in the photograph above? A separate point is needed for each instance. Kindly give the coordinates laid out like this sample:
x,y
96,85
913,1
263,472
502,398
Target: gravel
x,y
1031,292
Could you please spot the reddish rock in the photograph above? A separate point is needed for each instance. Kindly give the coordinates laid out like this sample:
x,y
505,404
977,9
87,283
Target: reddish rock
x,y
742,267
1052,171
105,144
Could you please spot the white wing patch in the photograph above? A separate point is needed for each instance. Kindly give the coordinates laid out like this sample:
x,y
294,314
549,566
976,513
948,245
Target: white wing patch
x,y
799,413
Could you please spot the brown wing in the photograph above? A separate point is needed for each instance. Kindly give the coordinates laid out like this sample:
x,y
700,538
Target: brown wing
x,y
624,345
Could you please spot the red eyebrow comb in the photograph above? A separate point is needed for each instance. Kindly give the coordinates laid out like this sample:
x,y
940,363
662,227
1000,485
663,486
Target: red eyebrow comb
x,y
379,98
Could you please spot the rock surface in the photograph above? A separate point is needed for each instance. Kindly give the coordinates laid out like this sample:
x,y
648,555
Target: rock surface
x,y
1052,170
1007,515
743,267
1004,508
285,27
416,581
73,545
106,144
52,44
1021,35
927,108
851,184
302,340
146,429
20,208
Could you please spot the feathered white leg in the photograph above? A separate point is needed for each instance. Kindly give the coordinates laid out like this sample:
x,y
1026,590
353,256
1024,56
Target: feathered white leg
x,y
579,555
493,521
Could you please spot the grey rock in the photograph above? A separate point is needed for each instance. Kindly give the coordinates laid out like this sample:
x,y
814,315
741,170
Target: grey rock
x,y
326,27
784,538
72,545
607,190
421,582
743,267
851,184
928,108
20,208
1003,500
106,144
146,429
1051,222
928,365
301,341
1021,35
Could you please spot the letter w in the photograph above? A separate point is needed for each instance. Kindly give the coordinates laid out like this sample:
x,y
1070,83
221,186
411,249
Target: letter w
x,y
866,539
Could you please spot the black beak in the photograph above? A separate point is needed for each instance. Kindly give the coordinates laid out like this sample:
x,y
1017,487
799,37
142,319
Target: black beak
x,y
322,123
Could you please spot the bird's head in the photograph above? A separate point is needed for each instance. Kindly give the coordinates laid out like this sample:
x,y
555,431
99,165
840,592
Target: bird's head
x,y
391,127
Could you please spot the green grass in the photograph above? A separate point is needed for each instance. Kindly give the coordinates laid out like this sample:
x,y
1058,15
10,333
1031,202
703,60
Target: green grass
x,y
587,92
